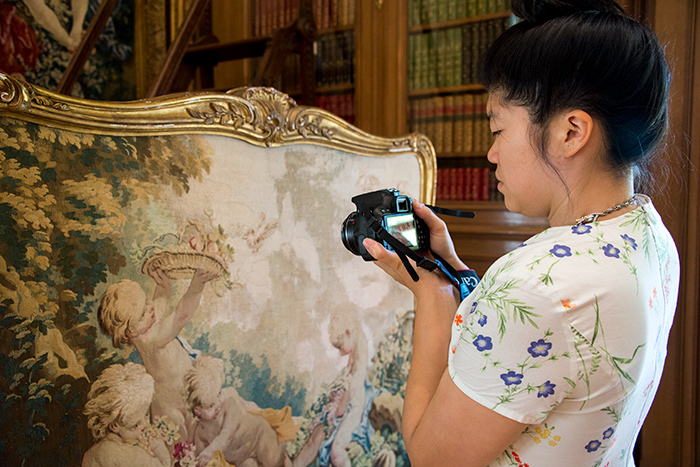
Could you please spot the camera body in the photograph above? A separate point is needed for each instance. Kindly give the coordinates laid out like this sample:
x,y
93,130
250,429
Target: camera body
x,y
394,212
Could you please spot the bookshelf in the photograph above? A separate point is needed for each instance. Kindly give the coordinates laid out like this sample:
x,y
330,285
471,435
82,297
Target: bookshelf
x,y
334,51
445,40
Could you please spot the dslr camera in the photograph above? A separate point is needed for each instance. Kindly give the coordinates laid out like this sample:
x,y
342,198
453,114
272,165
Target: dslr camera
x,y
392,211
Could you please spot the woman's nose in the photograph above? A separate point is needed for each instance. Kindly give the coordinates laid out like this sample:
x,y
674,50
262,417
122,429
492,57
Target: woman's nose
x,y
492,154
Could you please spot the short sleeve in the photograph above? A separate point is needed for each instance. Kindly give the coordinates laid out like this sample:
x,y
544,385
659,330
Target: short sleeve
x,y
511,347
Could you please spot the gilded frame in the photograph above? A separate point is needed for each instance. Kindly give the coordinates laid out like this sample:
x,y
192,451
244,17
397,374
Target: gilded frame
x,y
262,118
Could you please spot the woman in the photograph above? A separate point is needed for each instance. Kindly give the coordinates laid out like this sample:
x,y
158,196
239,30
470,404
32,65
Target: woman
x,y
555,357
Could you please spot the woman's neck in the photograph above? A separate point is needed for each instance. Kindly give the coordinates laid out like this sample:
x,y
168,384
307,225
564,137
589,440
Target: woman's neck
x,y
596,196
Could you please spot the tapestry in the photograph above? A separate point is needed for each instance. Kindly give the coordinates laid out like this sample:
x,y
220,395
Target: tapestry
x,y
185,299
39,37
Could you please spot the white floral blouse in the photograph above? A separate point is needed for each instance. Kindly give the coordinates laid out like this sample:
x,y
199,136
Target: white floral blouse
x,y
568,334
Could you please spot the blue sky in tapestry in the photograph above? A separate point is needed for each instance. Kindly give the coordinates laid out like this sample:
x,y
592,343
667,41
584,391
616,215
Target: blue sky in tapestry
x,y
38,37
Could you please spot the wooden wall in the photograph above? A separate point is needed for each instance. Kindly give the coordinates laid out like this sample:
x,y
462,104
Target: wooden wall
x,y
671,433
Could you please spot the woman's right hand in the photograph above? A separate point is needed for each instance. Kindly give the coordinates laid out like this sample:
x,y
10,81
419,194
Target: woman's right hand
x,y
440,239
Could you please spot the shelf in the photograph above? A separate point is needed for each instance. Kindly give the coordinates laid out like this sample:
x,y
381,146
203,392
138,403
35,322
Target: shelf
x,y
226,51
461,155
335,89
462,88
457,22
326,32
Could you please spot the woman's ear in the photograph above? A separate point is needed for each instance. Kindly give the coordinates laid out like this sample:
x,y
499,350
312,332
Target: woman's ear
x,y
577,128
572,130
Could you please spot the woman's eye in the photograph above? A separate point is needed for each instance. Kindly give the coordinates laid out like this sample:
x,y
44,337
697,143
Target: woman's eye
x,y
496,133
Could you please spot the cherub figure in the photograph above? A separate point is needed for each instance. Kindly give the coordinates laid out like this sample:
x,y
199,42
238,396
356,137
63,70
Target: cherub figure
x,y
343,411
118,417
222,423
126,314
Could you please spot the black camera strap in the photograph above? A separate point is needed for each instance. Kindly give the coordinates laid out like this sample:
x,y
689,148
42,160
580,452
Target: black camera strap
x,y
452,212
464,281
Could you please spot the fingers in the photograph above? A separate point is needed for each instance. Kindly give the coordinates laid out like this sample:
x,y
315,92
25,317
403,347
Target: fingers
x,y
386,260
430,218
440,239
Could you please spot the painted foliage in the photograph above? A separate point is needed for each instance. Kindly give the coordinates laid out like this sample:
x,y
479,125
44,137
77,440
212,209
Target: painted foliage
x,y
152,289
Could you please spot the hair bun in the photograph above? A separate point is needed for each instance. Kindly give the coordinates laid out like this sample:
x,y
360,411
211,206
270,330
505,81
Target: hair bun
x,y
540,11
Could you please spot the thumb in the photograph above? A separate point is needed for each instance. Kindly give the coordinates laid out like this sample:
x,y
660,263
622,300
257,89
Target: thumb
x,y
373,248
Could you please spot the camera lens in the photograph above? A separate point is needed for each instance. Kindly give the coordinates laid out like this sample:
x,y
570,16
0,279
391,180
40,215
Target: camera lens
x,y
348,234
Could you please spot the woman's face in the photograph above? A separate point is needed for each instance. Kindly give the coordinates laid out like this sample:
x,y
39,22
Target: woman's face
x,y
525,180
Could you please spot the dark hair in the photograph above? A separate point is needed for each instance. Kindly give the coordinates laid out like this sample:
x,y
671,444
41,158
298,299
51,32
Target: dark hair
x,y
588,55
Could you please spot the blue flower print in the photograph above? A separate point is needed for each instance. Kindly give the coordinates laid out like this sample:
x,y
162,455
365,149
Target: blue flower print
x,y
629,241
512,378
546,390
483,343
482,320
581,229
611,251
608,433
539,348
593,445
560,251
473,308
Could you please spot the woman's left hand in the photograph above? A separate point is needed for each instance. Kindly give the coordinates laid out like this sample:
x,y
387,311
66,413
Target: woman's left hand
x,y
429,283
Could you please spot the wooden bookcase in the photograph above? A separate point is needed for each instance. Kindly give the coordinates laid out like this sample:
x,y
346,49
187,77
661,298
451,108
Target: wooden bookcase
x,y
445,39
334,48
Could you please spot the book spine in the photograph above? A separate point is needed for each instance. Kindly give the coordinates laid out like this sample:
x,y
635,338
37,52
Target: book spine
x,y
282,13
316,9
441,10
428,116
441,61
412,63
333,13
475,185
485,184
424,60
471,7
325,17
468,123
448,123
456,41
256,20
351,12
466,54
456,185
458,124
432,60
475,50
482,124
452,8
433,10
439,103
467,185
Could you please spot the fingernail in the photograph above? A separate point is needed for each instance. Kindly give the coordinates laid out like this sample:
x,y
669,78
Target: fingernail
x,y
369,244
